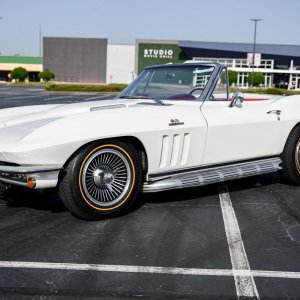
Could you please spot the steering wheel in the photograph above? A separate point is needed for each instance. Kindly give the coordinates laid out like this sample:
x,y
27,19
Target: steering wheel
x,y
196,89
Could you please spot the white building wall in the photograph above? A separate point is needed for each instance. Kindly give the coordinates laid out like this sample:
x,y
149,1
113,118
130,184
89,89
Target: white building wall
x,y
120,63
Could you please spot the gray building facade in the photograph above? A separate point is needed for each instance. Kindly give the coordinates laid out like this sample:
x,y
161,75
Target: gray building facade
x,y
76,59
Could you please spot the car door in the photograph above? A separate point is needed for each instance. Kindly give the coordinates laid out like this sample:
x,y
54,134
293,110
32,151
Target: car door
x,y
238,132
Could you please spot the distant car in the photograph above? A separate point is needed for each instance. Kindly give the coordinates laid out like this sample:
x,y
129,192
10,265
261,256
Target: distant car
x,y
173,127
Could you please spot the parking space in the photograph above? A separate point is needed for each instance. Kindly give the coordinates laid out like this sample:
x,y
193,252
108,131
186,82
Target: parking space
x,y
239,240
268,213
172,231
45,284
273,240
13,96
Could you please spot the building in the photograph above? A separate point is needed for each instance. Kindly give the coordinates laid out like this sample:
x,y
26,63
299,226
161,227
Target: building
x,y
33,65
154,52
280,64
120,63
88,60
76,59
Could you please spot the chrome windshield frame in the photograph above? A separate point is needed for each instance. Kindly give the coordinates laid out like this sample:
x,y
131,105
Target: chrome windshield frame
x,y
208,87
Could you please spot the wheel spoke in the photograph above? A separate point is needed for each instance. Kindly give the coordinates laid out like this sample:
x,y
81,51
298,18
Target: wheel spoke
x,y
110,159
117,164
119,183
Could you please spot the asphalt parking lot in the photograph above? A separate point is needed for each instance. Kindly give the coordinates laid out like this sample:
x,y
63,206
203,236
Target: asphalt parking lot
x,y
13,96
235,240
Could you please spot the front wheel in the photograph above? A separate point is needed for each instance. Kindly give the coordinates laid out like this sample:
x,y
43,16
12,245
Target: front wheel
x,y
291,157
102,180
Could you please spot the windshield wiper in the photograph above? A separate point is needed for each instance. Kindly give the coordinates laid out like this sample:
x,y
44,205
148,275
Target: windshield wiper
x,y
136,97
143,97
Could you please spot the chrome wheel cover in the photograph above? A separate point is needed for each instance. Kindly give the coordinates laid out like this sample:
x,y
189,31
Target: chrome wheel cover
x,y
297,156
106,177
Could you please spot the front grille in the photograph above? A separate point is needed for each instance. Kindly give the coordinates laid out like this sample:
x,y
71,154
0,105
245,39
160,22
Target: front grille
x,y
13,177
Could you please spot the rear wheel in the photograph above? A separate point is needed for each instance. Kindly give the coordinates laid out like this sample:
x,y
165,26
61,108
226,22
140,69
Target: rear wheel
x,y
103,180
291,157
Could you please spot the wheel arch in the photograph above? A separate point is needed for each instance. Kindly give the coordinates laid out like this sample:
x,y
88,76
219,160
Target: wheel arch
x,y
134,141
297,125
290,156
288,134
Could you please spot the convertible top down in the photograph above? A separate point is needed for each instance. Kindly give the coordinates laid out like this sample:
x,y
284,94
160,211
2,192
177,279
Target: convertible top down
x,y
175,126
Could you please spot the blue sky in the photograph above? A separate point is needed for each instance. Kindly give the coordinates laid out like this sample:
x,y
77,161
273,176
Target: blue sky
x,y
123,21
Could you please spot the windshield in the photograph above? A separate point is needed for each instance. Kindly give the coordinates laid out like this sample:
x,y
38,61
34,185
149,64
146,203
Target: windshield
x,y
184,82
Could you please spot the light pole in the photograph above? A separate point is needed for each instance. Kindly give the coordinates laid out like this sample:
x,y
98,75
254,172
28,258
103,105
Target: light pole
x,y
254,46
40,40
0,19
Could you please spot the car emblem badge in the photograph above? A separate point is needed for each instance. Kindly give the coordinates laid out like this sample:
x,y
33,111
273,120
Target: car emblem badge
x,y
174,122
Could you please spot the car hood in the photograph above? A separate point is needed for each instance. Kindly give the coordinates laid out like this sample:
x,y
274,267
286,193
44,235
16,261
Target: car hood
x,y
37,114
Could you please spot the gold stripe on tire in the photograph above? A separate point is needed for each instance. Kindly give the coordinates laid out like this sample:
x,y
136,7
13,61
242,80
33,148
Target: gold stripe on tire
x,y
297,156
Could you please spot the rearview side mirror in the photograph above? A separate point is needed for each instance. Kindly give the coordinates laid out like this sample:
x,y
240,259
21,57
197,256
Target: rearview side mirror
x,y
237,99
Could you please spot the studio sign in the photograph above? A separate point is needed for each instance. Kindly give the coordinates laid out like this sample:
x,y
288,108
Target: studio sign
x,y
158,53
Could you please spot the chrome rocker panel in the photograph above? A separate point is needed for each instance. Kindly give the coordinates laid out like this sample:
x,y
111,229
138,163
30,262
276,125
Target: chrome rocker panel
x,y
44,176
211,175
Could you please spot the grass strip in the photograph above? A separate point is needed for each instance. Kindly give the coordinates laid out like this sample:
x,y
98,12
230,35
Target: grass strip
x,y
109,88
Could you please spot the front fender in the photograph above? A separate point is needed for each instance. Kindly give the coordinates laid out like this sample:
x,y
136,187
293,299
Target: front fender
x,y
56,141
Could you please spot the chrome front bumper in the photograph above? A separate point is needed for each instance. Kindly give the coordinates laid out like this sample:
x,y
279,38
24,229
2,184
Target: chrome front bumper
x,y
42,176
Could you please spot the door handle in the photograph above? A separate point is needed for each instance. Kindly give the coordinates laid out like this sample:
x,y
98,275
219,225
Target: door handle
x,y
277,112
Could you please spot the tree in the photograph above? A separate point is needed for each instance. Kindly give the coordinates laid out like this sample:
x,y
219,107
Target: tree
x,y
19,74
232,77
258,78
46,75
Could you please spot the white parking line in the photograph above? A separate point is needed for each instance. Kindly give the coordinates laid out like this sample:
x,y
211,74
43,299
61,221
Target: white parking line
x,y
148,269
55,98
245,285
23,97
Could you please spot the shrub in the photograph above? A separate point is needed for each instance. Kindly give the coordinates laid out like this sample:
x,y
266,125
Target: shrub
x,y
258,78
19,74
232,77
46,75
268,91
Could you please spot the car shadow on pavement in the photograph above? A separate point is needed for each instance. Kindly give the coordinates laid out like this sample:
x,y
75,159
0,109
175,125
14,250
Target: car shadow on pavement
x,y
212,189
47,200
253,182
185,194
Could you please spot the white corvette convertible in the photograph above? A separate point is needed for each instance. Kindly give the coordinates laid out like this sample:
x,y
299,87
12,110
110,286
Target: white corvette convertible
x,y
175,126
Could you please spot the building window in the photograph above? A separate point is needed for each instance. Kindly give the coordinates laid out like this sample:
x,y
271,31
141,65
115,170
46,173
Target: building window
x,y
242,79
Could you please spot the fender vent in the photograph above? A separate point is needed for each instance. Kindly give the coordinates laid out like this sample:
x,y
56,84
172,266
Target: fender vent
x,y
175,150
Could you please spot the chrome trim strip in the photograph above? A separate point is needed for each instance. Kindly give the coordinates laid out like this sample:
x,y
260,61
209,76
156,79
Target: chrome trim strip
x,y
188,171
112,106
213,175
29,169
45,176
